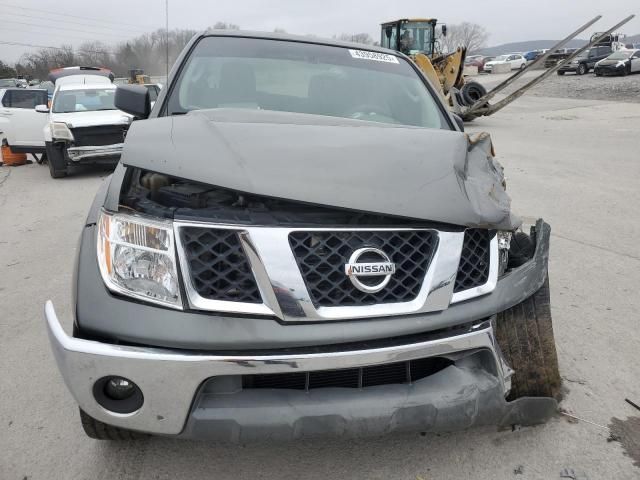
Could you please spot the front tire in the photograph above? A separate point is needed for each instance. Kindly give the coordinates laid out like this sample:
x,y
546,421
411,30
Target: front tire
x,y
525,336
101,431
56,160
582,69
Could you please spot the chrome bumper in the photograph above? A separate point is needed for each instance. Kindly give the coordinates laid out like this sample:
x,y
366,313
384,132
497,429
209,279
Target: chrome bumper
x,y
77,154
170,379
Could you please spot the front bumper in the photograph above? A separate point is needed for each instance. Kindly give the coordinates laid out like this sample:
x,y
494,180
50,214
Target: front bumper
x,y
609,70
178,400
95,153
569,68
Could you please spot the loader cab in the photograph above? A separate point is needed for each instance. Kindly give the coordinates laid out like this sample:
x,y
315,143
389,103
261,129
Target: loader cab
x,y
411,36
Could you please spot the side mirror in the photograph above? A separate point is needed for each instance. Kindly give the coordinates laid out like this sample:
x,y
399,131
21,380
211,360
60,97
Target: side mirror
x,y
459,121
444,30
42,109
134,100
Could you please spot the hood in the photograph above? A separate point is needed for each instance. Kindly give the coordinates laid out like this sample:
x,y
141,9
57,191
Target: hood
x,y
427,174
607,62
92,119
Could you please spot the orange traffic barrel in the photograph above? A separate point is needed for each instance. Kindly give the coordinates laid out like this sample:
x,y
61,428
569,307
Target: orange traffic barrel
x,y
12,159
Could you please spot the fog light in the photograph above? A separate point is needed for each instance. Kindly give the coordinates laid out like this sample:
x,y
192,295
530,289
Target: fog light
x,y
118,388
118,394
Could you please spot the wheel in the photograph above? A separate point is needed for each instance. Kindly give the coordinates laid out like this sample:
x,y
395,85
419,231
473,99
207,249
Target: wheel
x,y
598,74
582,69
472,92
559,72
523,66
525,336
56,160
101,431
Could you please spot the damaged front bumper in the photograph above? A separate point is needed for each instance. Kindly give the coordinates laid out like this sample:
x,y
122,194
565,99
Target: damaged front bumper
x,y
198,395
91,153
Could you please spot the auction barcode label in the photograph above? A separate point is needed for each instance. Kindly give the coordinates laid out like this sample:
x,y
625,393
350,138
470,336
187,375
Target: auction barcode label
x,y
375,56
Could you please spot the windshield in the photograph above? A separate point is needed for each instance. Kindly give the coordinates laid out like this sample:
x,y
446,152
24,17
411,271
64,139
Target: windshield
x,y
501,58
620,55
90,100
8,82
227,72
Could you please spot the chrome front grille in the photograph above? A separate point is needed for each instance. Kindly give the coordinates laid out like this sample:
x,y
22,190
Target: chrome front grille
x,y
218,266
321,257
299,275
473,270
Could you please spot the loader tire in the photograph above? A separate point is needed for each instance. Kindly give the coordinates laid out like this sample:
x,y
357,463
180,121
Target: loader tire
x,y
525,336
101,431
472,92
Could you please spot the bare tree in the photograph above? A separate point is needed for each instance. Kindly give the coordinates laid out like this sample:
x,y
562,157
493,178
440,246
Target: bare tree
x,y
363,38
469,35
225,26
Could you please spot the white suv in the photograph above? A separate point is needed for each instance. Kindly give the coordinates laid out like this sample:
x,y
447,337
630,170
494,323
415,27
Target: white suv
x,y
83,125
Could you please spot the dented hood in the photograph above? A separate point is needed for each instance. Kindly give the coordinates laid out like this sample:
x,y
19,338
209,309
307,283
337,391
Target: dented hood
x,y
428,174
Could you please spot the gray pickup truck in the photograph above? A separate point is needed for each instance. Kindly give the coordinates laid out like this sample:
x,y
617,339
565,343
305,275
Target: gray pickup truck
x,y
301,240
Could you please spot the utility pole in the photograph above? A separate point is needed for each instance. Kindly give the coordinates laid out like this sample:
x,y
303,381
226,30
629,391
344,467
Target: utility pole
x,y
166,9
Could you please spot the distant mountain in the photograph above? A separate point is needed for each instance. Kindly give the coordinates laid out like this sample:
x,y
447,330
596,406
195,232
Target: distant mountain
x,y
538,44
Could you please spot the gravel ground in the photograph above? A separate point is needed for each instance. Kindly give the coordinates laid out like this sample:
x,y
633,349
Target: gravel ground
x,y
583,87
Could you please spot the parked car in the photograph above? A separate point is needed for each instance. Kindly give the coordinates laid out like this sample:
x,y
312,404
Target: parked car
x,y
622,62
83,125
266,262
586,61
20,124
532,55
558,56
9,83
478,61
516,60
474,60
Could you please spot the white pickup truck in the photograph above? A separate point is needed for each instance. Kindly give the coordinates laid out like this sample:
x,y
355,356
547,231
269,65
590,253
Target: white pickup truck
x,y
83,126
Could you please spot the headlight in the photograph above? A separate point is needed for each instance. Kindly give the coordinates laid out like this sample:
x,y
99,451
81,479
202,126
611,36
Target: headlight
x,y
137,258
504,243
60,131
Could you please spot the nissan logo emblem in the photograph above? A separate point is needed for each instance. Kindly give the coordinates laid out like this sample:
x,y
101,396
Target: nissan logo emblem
x,y
375,263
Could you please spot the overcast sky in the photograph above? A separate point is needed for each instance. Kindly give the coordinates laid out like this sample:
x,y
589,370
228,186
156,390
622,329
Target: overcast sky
x,y
117,20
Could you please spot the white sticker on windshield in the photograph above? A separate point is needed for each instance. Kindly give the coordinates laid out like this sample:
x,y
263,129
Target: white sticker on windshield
x,y
375,56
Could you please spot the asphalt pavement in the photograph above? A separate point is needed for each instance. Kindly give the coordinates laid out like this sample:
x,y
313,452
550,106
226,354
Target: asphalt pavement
x,y
573,162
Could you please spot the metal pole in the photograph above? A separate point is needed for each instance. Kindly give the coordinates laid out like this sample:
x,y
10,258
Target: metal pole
x,y
488,96
518,93
166,10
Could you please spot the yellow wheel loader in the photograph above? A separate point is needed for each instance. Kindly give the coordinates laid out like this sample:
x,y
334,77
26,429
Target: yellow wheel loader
x,y
416,37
